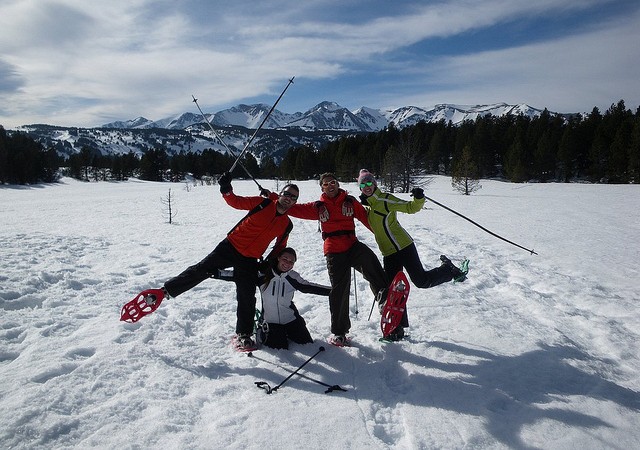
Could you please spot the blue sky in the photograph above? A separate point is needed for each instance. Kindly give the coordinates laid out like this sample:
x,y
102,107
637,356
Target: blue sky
x,y
85,63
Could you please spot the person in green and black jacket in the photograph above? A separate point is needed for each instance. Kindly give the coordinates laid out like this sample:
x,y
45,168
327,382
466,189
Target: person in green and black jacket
x,y
396,245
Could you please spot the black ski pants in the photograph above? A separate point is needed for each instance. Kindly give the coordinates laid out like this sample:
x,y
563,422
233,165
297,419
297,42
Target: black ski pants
x,y
278,335
339,265
245,276
408,259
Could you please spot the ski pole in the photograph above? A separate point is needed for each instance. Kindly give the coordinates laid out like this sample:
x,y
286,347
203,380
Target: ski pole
x,y
264,385
260,127
371,312
195,100
480,226
329,387
355,290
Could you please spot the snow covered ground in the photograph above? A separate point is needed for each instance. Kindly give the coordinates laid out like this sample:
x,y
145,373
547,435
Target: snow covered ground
x,y
530,352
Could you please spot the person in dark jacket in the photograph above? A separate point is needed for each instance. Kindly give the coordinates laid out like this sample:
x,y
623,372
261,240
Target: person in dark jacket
x,y
244,245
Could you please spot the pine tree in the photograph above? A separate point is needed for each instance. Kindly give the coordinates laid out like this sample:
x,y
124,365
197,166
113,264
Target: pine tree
x,y
634,152
402,164
465,177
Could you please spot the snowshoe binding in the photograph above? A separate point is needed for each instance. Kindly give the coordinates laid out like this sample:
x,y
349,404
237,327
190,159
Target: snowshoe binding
x,y
339,340
243,343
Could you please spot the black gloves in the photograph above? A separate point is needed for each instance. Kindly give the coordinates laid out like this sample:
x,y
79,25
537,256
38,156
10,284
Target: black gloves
x,y
265,265
417,193
225,183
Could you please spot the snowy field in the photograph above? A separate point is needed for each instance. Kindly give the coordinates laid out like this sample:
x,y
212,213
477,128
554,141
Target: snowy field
x,y
531,352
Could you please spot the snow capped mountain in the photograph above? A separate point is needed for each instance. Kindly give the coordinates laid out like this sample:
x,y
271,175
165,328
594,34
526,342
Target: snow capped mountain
x,y
456,114
250,116
138,122
331,116
324,122
374,119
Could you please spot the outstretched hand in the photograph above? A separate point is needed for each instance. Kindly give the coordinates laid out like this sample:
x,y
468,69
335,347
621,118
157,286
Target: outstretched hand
x,y
323,212
417,193
347,206
225,182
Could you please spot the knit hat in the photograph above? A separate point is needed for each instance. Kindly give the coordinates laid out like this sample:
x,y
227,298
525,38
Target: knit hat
x,y
365,176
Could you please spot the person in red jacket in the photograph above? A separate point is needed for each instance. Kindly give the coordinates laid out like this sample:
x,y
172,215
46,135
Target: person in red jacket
x,y
244,245
336,211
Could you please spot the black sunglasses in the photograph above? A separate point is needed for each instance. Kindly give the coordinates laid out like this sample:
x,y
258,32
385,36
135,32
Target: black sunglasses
x,y
289,194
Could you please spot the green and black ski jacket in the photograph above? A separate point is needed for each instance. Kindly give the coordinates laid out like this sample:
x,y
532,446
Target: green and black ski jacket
x,y
381,212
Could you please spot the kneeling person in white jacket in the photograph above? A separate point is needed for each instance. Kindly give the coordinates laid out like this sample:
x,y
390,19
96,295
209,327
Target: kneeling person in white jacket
x,y
281,320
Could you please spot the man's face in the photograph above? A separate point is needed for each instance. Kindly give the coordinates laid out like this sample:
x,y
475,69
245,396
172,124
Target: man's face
x,y
330,187
288,198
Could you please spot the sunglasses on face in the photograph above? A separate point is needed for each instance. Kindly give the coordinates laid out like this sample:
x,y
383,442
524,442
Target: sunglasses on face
x,y
289,195
366,184
330,183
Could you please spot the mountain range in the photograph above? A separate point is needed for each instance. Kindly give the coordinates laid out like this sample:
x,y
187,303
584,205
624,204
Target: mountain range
x,y
188,132
330,116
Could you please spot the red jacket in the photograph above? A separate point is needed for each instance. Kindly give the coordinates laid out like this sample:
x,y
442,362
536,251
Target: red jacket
x,y
339,231
253,234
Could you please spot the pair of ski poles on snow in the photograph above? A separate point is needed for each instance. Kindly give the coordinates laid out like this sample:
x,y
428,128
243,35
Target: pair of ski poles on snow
x,y
270,390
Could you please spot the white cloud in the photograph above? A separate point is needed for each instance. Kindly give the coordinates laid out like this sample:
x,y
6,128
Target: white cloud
x,y
74,62
600,66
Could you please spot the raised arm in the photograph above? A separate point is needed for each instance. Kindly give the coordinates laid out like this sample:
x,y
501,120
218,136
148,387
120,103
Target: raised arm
x,y
308,211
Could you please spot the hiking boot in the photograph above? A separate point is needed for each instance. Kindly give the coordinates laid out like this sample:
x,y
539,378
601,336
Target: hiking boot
x,y
395,335
458,274
339,340
244,342
150,299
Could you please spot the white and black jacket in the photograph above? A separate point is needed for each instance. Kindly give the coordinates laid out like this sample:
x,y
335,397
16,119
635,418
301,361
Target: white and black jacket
x,y
277,295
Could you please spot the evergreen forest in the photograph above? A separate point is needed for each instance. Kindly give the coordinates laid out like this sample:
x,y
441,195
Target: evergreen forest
x,y
596,147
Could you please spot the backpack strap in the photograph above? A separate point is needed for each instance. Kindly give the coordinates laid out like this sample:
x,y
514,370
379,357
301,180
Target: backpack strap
x,y
259,207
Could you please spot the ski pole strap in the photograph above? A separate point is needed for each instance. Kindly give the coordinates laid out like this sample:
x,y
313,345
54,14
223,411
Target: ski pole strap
x,y
480,226
264,385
